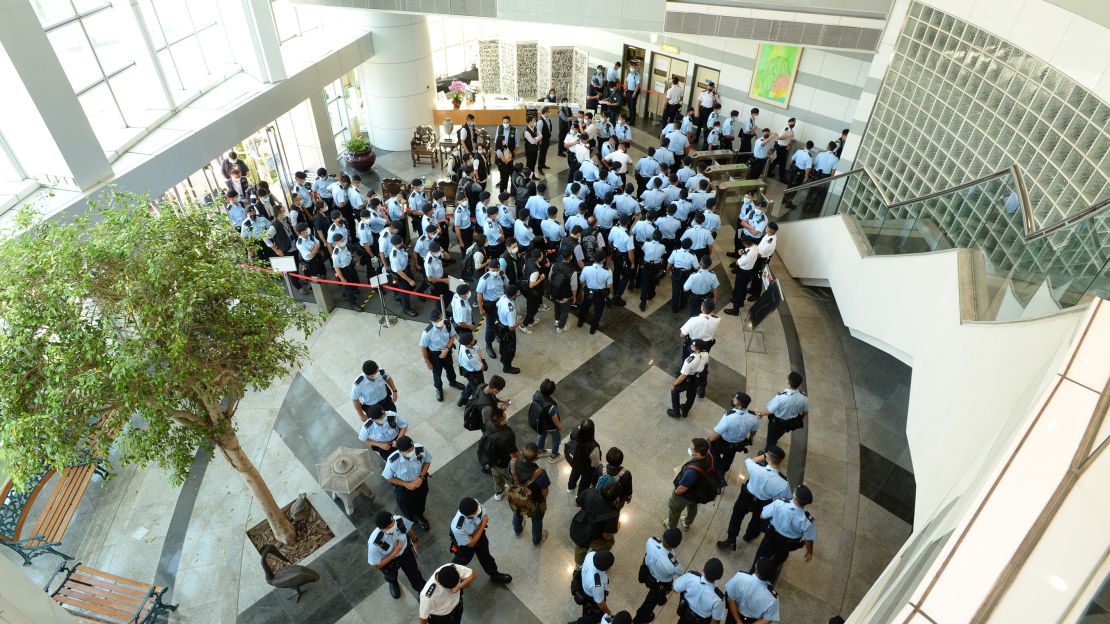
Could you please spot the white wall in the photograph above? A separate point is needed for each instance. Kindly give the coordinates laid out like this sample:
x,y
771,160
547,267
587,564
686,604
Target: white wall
x,y
972,382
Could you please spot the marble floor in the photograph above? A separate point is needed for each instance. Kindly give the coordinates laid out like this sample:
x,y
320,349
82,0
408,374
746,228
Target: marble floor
x,y
192,538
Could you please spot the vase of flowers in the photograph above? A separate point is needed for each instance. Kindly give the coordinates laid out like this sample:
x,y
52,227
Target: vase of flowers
x,y
456,92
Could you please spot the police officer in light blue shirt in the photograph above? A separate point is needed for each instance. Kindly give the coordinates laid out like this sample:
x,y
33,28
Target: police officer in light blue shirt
x,y
399,271
236,212
678,143
683,207
468,532
537,205
373,387
595,584
390,549
733,433
576,220
765,483
668,226
712,219
702,285
680,263
790,528
495,241
786,408
471,365
701,197
606,216
551,228
489,289
464,227
320,186
749,596
700,238
597,280
647,166
686,172
508,321
341,262
801,165
602,188
652,198
577,188
664,568
462,315
381,430
825,163
523,234
407,469
589,171
571,205
436,342
624,202
700,595
506,215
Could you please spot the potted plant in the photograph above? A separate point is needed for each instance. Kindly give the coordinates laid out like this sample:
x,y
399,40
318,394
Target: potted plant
x,y
360,154
456,90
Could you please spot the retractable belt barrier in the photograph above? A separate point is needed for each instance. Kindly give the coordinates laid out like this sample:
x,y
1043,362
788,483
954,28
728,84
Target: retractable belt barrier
x,y
339,283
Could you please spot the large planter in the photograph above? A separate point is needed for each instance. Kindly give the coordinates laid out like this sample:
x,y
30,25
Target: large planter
x,y
362,161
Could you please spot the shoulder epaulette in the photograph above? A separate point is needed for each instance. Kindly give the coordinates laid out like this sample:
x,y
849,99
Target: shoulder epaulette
x,y
361,378
720,594
459,524
394,456
809,516
431,590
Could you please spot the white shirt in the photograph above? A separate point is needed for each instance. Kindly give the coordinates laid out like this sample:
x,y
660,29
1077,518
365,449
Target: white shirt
x,y
694,364
767,246
674,94
706,99
747,259
786,137
701,327
620,157
437,600
581,152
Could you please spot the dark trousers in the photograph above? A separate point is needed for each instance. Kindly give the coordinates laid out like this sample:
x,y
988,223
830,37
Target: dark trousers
x,y
532,301
411,502
740,287
656,597
723,455
746,504
481,550
441,365
776,429
562,310
594,299
703,376
545,144
622,272
531,153
670,113
591,614
507,339
564,128
396,282
632,98
699,127
454,617
745,142
405,562
349,291
649,279
775,547
695,302
781,162
491,324
473,380
467,239
755,167
581,477
755,286
505,171
690,387
443,291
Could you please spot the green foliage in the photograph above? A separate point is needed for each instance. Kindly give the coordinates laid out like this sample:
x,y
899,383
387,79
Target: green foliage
x,y
137,325
356,145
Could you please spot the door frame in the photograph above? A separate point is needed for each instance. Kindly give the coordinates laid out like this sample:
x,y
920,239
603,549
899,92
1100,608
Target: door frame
x,y
693,94
667,81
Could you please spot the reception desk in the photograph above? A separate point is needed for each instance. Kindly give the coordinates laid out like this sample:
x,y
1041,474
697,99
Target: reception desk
x,y
485,113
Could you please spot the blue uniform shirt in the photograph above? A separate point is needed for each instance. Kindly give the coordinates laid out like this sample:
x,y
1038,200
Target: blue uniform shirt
x,y
703,597
396,210
463,527
461,311
693,181
398,260
620,240
406,468
825,162
574,220
382,543
653,199
632,80
551,229
380,430
760,149
320,186
582,189
712,221
653,251
589,170
364,233
765,482
606,215
596,277
682,208
468,358
433,265
642,231
491,286
698,199
594,581
437,338
753,596
523,234
758,220
668,226
236,212
306,245
700,238
505,216
647,166
626,204
370,391
420,247
728,127
701,282
571,204
492,230
682,259
736,425
536,207
506,311
340,257
788,404
623,132
790,521
662,563
462,217
687,125
802,159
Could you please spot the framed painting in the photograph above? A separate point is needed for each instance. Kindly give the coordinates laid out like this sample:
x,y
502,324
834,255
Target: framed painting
x,y
773,76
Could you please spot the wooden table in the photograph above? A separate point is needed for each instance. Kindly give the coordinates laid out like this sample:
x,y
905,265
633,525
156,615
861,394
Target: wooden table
x,y
485,114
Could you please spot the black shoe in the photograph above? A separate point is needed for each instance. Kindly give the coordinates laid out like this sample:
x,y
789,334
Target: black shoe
x,y
727,544
491,353
501,579
751,539
701,393
486,469
733,312
752,298
618,302
460,402
731,254
422,522
512,370
734,270
395,590
643,305
439,394
456,385
410,312
593,331
580,323
673,414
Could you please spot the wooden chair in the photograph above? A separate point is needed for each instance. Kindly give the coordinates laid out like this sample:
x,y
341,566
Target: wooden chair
x,y
52,523
93,595
392,186
450,189
424,146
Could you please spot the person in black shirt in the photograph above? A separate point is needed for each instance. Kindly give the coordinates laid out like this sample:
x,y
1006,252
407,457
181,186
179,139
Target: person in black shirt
x,y
613,471
499,443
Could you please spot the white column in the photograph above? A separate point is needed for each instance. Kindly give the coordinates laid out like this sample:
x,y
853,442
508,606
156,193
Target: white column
x,y
323,131
398,82
38,67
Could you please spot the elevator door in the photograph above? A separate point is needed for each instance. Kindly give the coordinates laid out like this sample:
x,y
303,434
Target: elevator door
x,y
663,69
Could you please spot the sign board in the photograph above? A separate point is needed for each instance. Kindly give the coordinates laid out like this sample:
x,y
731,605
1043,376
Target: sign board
x,y
765,305
284,264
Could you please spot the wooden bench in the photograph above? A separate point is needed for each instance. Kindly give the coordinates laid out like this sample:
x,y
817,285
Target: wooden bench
x,y
52,523
93,595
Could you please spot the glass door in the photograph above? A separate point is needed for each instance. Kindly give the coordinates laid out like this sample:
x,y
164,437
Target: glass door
x,y
663,69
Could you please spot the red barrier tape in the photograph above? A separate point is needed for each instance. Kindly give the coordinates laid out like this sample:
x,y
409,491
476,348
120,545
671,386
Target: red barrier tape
x,y
339,283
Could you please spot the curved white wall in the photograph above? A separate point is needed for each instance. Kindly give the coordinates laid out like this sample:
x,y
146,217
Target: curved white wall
x,y
398,81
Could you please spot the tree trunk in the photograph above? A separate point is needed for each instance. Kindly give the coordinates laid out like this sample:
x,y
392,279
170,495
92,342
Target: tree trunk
x,y
233,453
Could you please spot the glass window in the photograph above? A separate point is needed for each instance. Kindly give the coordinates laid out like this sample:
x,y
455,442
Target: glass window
x,y
112,40
190,43
76,56
51,12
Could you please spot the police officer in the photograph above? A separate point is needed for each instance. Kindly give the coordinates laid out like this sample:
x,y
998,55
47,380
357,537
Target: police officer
x,y
687,380
490,288
468,539
651,268
436,342
765,483
508,321
407,469
701,285
790,528
597,280
824,165
745,267
462,315
766,249
471,364
373,387
756,223
309,249
381,430
680,264
624,257
701,601
658,572
700,327
801,165
750,598
399,271
441,599
700,238
392,548
786,410
595,586
433,273
734,433
343,264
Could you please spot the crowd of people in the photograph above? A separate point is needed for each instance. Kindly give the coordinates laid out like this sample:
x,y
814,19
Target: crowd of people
x,y
618,226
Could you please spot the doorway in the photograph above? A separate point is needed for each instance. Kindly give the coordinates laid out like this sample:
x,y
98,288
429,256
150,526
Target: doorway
x,y
658,80
631,55
702,76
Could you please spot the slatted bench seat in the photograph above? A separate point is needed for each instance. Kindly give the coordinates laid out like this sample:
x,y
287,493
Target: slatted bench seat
x,y
51,525
98,597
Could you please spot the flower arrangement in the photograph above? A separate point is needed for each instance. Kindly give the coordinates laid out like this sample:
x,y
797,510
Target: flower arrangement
x,y
456,91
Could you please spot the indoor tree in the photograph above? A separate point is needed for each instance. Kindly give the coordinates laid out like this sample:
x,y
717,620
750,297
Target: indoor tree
x,y
136,325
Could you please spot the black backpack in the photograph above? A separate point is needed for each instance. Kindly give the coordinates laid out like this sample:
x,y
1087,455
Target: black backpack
x,y
468,261
708,486
472,413
560,281
536,413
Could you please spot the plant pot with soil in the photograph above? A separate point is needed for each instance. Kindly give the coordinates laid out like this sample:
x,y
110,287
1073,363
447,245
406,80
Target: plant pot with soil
x,y
360,154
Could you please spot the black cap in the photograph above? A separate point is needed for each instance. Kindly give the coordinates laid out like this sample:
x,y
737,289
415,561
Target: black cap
x,y
468,506
713,570
448,576
383,519
803,495
672,537
404,443
603,560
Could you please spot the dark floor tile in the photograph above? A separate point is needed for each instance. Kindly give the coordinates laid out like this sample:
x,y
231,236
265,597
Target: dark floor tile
x,y
268,610
887,484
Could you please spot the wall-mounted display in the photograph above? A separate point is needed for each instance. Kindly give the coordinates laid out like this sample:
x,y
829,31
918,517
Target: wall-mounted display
x,y
773,77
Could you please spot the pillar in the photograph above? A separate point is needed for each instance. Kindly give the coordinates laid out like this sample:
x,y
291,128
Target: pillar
x,y
398,82
324,133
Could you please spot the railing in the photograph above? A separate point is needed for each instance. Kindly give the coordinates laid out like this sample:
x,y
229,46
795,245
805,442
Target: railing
x,y
1019,273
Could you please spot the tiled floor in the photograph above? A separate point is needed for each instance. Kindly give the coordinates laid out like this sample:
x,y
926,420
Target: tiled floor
x,y
192,537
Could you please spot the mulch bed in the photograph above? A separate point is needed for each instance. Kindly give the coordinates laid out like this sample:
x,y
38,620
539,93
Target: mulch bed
x,y
312,533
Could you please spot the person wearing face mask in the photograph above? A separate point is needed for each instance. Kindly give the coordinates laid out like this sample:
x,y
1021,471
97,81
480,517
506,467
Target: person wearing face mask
x,y
687,484
700,600
688,379
748,130
756,223
343,264
233,162
239,184
436,342
471,364
765,483
437,279
508,320
374,387
596,280
407,469
462,315
468,537
491,286
550,97
467,134
632,82
707,99
543,126
381,430
531,145
391,548
398,272
507,132
338,226
782,150
824,165
729,127
790,527
441,600
761,150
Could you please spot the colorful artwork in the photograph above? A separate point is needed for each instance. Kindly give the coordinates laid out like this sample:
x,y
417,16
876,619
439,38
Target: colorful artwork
x,y
773,78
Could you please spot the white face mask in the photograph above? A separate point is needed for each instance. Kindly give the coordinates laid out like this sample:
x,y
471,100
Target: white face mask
x,y
438,324
690,451
505,126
